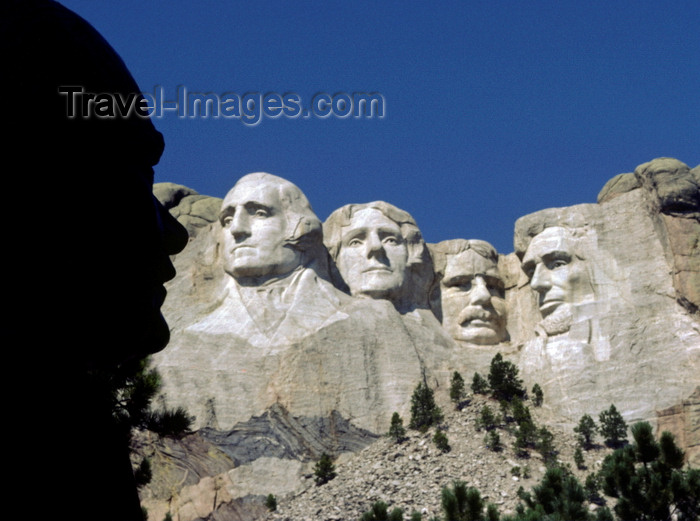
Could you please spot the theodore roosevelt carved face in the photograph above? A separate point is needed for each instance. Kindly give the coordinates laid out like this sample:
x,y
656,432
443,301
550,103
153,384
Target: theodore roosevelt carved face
x,y
472,295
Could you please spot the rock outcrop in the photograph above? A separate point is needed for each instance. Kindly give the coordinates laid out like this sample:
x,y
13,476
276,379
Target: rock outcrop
x,y
615,327
192,210
411,475
291,338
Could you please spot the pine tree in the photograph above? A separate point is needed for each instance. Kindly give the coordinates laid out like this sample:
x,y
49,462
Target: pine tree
x,y
380,512
487,419
492,512
128,392
578,459
503,379
525,437
647,479
441,442
586,430
613,427
592,486
479,384
537,395
505,410
545,445
424,411
271,502
461,503
324,469
520,411
396,429
604,514
492,440
558,496
457,389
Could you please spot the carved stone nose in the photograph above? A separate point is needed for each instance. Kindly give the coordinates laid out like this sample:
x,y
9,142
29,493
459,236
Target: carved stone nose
x,y
239,226
540,279
480,293
374,245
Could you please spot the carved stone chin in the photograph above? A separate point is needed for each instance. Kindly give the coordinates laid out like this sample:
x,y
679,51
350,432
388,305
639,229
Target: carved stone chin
x,y
558,321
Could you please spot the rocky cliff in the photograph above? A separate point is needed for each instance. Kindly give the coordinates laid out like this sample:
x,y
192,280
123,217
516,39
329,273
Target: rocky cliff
x,y
311,347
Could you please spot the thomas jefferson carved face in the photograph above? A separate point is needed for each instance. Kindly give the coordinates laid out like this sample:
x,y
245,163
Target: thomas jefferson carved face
x,y
472,300
256,234
558,275
373,255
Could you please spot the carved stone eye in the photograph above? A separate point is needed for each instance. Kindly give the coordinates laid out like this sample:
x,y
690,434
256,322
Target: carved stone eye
x,y
557,263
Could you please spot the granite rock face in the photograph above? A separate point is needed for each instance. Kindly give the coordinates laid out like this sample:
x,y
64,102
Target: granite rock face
x,y
291,338
192,210
673,201
262,341
614,323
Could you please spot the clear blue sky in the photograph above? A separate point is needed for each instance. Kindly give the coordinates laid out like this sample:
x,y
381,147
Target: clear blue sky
x,y
494,109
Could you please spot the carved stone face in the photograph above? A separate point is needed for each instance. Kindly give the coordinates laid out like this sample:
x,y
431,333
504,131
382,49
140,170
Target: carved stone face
x,y
473,306
373,255
557,274
255,232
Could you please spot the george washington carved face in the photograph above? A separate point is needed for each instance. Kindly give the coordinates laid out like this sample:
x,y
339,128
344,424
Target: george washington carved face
x,y
265,220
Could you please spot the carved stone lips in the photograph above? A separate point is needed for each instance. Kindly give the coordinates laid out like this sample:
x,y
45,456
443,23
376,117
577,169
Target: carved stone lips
x,y
473,316
239,246
549,305
477,322
377,268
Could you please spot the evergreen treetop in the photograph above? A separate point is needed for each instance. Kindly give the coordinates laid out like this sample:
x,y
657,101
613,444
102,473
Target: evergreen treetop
x,y
613,427
503,379
324,469
456,388
424,411
647,479
396,429
479,384
586,430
